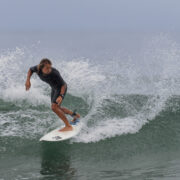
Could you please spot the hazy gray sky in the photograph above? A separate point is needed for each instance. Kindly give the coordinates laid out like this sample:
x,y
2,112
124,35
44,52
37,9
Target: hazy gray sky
x,y
100,15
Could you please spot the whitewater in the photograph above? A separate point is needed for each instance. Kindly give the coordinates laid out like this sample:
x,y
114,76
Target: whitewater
x,y
116,97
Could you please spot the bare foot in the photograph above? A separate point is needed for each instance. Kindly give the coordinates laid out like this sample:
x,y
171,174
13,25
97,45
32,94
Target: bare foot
x,y
66,128
75,117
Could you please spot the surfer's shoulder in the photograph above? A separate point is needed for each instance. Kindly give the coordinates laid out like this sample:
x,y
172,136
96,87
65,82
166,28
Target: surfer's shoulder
x,y
55,71
34,68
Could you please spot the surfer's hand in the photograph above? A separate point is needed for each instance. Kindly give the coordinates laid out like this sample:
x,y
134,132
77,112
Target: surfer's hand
x,y
59,100
28,85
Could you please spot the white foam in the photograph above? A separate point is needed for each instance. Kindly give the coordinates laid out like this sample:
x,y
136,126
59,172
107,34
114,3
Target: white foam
x,y
159,86
156,76
29,123
36,95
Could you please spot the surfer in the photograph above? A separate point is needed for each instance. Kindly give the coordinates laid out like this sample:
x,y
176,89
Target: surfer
x,y
50,75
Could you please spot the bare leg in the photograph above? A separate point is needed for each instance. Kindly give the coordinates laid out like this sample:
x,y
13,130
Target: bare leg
x,y
67,111
61,114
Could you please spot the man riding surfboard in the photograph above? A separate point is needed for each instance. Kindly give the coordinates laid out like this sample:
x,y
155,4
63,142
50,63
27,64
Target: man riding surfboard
x,y
50,75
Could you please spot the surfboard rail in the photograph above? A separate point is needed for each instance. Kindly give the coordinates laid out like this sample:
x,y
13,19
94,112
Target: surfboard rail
x,y
56,135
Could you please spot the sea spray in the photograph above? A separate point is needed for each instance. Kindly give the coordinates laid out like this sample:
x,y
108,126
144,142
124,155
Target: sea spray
x,y
114,98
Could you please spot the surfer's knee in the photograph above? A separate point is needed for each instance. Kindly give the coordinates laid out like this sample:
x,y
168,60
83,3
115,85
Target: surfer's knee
x,y
54,107
62,108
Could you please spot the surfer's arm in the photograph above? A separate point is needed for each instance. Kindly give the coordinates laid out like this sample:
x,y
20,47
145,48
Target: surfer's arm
x,y
61,95
31,71
28,82
62,83
29,74
63,88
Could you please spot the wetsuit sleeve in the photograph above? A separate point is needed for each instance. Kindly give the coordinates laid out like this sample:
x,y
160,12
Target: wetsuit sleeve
x,y
60,79
33,69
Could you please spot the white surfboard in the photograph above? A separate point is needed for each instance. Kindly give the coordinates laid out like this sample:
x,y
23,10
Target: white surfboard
x,y
56,135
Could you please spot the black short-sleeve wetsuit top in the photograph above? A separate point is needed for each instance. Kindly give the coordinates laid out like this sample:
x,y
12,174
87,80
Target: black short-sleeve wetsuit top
x,y
54,79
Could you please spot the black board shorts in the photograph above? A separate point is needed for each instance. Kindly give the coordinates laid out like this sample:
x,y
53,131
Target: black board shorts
x,y
55,94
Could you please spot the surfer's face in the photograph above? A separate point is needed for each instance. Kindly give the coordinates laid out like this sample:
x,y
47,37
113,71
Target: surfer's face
x,y
46,69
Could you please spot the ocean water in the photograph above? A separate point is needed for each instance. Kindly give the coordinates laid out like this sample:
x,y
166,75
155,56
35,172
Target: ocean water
x,y
128,99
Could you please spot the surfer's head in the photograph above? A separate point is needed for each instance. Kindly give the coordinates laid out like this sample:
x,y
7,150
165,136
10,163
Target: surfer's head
x,y
45,66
